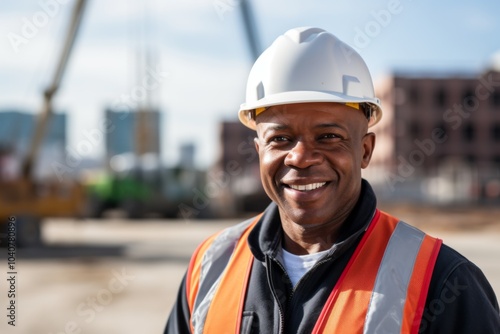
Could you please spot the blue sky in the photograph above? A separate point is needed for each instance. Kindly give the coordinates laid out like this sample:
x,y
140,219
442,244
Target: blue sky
x,y
202,58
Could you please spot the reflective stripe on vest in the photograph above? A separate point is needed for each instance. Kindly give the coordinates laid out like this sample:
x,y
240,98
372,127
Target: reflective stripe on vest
x,y
223,260
384,286
382,289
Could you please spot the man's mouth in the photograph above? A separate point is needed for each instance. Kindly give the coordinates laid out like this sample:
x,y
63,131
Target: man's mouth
x,y
307,187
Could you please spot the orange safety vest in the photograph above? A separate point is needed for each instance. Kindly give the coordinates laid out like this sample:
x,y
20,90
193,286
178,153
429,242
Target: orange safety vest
x,y
383,288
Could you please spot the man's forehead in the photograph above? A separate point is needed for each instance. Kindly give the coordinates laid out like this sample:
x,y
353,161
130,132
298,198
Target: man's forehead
x,y
312,115
310,106
309,112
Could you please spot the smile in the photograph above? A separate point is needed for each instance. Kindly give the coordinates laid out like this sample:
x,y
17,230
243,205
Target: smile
x,y
307,187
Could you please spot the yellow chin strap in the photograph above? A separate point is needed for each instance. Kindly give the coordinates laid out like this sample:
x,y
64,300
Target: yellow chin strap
x,y
259,110
353,105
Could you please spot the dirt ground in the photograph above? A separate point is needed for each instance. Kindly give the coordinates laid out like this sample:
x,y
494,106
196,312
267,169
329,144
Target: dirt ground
x,y
114,276
452,219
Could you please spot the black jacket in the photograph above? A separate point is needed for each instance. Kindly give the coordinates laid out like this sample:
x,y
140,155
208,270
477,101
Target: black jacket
x,y
460,299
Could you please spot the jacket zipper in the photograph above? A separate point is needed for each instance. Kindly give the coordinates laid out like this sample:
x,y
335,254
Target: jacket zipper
x,y
308,273
290,296
280,309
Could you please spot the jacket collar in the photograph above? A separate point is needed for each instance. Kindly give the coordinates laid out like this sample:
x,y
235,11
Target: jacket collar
x,y
265,238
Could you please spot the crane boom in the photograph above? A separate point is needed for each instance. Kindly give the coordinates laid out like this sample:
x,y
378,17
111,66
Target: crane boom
x,y
46,112
250,30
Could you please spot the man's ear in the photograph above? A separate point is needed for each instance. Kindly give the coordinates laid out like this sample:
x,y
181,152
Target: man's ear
x,y
367,147
256,142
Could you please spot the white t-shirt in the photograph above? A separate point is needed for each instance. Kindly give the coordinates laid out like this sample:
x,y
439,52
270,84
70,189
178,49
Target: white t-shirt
x,y
297,265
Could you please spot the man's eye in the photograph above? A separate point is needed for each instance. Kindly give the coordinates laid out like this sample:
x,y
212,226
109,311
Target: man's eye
x,y
279,139
329,136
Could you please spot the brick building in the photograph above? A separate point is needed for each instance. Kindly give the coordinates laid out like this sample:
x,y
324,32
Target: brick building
x,y
236,173
439,138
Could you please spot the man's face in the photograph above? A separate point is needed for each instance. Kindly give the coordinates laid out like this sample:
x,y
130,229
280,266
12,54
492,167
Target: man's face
x,y
311,155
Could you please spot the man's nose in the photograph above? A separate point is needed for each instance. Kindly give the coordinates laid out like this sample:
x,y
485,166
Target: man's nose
x,y
303,155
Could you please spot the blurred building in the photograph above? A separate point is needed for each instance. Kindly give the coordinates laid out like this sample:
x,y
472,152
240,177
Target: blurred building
x,y
439,138
187,155
16,131
17,128
126,136
236,173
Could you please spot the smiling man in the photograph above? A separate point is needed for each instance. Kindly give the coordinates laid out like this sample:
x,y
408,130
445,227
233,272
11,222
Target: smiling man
x,y
311,155
322,258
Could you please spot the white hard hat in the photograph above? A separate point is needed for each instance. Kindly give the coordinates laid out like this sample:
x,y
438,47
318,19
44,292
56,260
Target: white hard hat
x,y
309,65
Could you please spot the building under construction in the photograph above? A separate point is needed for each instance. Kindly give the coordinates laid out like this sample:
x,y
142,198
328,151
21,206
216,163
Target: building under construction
x,y
16,128
439,138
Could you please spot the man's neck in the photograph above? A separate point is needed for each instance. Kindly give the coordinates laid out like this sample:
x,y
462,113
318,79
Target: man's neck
x,y
302,238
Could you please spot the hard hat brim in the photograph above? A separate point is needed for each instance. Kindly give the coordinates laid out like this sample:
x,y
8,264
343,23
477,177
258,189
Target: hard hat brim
x,y
305,97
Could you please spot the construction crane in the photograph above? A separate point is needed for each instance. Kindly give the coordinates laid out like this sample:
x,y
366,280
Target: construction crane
x,y
138,192
26,198
34,200
47,110
250,29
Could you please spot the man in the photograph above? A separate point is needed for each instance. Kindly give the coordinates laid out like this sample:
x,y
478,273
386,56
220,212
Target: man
x,y
322,258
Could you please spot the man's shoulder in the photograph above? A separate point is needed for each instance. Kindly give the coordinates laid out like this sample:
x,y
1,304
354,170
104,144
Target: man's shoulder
x,y
460,298
449,260
452,269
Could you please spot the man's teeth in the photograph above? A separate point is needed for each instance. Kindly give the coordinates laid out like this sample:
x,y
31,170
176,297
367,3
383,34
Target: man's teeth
x,y
307,187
